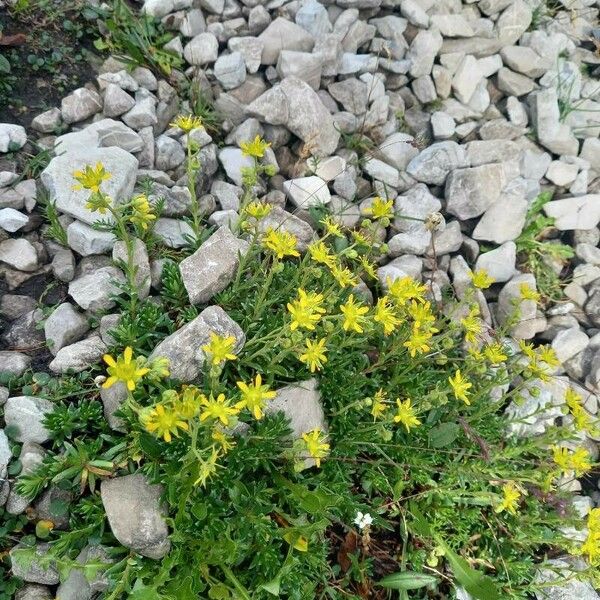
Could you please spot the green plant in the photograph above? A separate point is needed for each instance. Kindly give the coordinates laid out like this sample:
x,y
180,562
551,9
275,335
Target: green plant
x,y
537,253
203,108
137,39
56,231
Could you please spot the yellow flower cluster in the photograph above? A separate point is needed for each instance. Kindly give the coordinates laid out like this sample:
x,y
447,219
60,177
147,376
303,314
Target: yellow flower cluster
x,y
256,148
581,417
542,360
220,348
306,310
187,123
510,501
91,178
577,461
591,545
280,243
315,444
141,212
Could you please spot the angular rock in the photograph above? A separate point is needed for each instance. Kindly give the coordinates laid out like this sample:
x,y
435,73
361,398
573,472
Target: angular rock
x,y
33,591
33,571
173,232
78,356
86,240
134,514
304,65
140,261
94,291
569,342
183,348
280,219
433,164
202,49
79,587
80,105
280,35
25,414
12,137
510,300
499,263
14,363
230,70
57,177
305,192
513,22
116,101
469,192
48,121
112,400
233,161
213,266
582,212
422,52
503,220
12,220
142,114
64,327
169,153
19,254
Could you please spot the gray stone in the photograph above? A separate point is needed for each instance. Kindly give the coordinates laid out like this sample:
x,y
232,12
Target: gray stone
x,y
296,105
466,79
58,179
301,405
169,153
193,23
569,342
280,219
25,414
352,94
174,233
48,121
12,220
313,17
161,8
184,347
63,265
213,266
397,150
503,220
423,50
233,161
403,266
230,70
202,49
94,291
134,514
64,327
19,254
33,571
469,192
499,263
250,48
100,134
12,137
113,398
514,84
78,356
280,35
452,25
523,60
446,240
142,114
116,101
513,22
568,588
551,132
581,212
381,171
433,164
86,240
122,79
80,105
305,192
442,125
510,300
77,586
481,152
13,306
329,168
304,65
33,592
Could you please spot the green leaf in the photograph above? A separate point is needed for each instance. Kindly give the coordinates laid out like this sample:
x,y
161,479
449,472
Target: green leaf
x,y
443,435
478,584
407,580
273,586
150,446
4,65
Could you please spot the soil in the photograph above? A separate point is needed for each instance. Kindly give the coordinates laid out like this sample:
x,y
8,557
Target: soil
x,y
36,90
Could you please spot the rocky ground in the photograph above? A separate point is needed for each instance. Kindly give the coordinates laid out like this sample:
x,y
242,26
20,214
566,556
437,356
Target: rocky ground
x,y
469,110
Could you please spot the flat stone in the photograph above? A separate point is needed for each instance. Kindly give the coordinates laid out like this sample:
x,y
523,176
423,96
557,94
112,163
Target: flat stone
x,y
233,161
142,114
25,414
433,164
183,348
78,356
452,25
230,70
86,240
94,291
381,171
48,121
12,220
403,266
328,168
58,179
523,60
14,363
561,173
568,588
351,93
280,35
33,571
313,17
117,101
202,49
251,50
513,22
161,8
499,263
514,84
282,220
503,220
104,133
174,233
135,515
64,327
469,192
80,105
422,52
481,152
466,79
19,254
304,65
213,266
442,125
569,342
581,212
397,150
305,192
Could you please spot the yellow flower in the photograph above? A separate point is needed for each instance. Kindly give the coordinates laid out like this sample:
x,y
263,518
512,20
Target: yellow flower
x,y
91,178
306,310
207,468
379,405
320,253
510,501
344,276
316,445
406,414
368,267
188,403
220,348
460,387
98,202
495,353
418,341
578,460
360,238
257,147
528,293
218,409
380,208
141,212
258,210
332,227
421,314
591,545
159,368
254,396
404,289
124,369
481,279
187,123
548,355
472,325
314,356
384,315
353,315
225,443
527,349
281,243
164,422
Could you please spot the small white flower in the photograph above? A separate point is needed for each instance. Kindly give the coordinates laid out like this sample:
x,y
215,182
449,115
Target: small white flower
x,y
363,520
